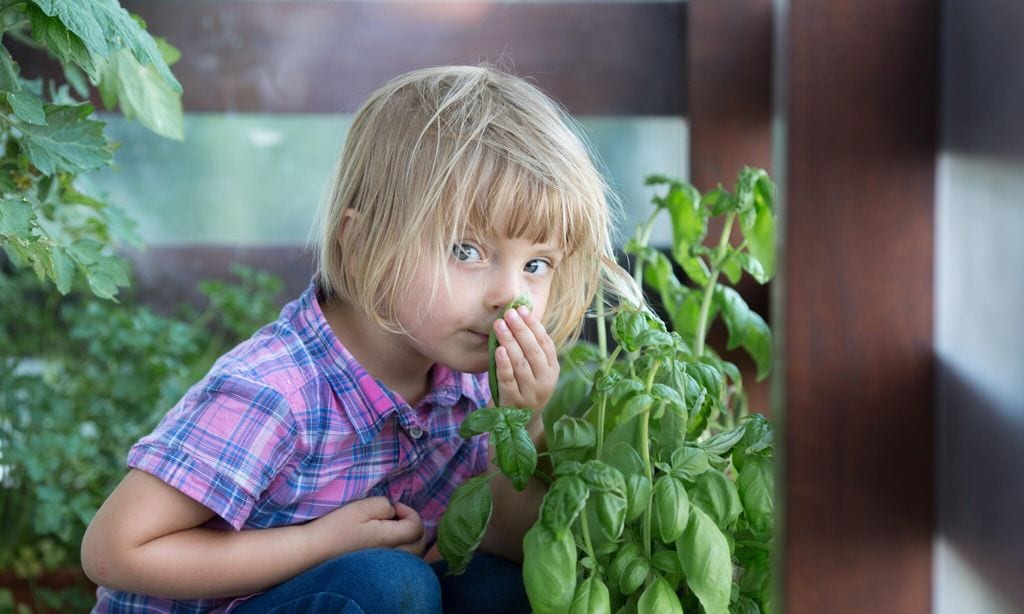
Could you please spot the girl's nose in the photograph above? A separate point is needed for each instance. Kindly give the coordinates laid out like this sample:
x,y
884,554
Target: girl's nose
x,y
502,289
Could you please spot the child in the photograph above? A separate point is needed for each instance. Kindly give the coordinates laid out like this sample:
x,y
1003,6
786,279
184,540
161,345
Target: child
x,y
308,470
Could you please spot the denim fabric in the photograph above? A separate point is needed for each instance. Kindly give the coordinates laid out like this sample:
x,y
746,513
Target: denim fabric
x,y
383,581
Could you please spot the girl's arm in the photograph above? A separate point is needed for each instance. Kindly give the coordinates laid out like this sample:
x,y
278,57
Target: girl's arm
x,y
147,538
527,366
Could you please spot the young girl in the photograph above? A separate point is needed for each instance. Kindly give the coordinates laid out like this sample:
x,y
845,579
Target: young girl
x,y
308,470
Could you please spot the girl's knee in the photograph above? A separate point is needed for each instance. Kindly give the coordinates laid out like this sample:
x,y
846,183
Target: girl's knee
x,y
394,581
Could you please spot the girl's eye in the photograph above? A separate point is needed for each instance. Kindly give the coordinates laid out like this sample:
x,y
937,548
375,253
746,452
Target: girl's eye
x,y
465,252
538,267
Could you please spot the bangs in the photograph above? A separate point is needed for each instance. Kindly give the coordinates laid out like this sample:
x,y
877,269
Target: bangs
x,y
511,200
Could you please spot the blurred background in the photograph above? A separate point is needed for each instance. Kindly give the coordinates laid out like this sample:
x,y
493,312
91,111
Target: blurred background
x,y
893,129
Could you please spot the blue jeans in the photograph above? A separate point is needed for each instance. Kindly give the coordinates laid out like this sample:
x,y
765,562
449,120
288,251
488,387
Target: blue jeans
x,y
393,581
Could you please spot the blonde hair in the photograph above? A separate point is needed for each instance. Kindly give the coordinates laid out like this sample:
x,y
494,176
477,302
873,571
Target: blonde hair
x,y
440,151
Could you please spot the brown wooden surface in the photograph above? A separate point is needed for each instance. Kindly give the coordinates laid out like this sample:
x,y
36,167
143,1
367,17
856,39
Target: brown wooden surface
x,y
729,44
327,56
860,134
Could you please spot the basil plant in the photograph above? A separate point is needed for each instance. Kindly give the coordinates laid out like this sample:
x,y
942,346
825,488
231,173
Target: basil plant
x,y
661,494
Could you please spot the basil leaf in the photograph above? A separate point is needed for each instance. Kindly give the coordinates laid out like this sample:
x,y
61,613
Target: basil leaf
x,y
704,554
659,598
563,502
549,569
671,508
591,598
463,524
717,495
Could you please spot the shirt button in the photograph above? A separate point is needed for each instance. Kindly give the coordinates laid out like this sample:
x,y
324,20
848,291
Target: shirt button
x,y
416,432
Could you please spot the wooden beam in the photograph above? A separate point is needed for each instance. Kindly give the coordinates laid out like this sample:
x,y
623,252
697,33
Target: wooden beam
x,y
327,56
859,123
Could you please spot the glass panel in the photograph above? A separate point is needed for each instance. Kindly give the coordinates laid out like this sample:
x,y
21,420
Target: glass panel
x,y
255,179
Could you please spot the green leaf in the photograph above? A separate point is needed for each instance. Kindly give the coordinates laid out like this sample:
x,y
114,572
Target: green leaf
x,y
752,266
731,267
549,569
591,598
689,220
607,496
722,443
463,524
27,107
17,219
62,269
68,141
571,398
716,494
482,420
758,439
746,329
686,316
62,42
758,224
104,272
514,450
635,406
570,433
719,201
9,81
638,495
105,27
623,457
689,462
629,323
695,268
704,554
563,502
659,598
141,93
756,485
670,508
667,561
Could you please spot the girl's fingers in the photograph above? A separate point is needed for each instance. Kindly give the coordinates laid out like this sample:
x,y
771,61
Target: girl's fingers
x,y
506,375
509,338
544,353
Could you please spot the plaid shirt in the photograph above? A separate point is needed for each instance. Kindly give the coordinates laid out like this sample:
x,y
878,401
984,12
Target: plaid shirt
x,y
288,427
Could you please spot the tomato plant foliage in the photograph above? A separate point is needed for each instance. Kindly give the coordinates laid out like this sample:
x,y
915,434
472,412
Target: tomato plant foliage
x,y
661,494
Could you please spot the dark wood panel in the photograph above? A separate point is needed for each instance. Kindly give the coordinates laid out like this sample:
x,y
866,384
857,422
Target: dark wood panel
x,y
327,56
860,133
729,45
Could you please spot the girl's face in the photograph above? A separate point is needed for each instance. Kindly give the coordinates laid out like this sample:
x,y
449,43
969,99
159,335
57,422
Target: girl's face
x,y
486,275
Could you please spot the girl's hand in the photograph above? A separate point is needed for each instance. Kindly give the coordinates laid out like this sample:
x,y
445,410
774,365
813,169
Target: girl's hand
x,y
370,523
527,363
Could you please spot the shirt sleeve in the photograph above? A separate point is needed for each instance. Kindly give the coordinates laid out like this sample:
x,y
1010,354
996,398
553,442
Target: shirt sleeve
x,y
221,445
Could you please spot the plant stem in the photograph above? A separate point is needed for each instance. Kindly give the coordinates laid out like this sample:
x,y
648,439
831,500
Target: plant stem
x,y
601,406
602,339
643,236
585,529
645,454
709,290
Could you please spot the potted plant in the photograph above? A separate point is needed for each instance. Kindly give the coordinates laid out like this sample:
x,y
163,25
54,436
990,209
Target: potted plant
x,y
661,493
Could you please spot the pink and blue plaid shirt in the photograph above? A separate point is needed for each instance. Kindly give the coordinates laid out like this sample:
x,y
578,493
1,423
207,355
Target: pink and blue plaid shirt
x,y
288,426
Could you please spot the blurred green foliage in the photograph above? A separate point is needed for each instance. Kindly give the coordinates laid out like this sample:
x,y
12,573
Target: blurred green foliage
x,y
81,379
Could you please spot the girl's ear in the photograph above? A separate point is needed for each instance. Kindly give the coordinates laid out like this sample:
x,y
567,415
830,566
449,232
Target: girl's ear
x,y
345,217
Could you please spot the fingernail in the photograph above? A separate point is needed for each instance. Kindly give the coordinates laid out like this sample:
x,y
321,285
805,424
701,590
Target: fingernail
x,y
513,315
524,310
